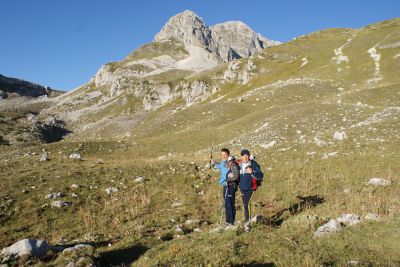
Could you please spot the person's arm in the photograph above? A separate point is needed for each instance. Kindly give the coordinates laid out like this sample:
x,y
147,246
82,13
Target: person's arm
x,y
235,173
217,165
257,171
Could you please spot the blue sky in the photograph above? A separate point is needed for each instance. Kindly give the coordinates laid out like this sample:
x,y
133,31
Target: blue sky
x,y
62,43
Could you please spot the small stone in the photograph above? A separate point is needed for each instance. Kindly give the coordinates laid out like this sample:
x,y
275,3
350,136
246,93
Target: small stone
x,y
340,136
178,229
269,145
74,186
44,157
59,204
74,195
378,181
111,190
140,179
76,156
176,204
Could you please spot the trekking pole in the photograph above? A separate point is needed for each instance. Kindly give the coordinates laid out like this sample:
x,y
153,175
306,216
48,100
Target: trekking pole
x,y
212,138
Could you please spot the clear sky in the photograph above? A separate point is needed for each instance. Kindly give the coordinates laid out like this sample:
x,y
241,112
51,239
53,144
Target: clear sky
x,y
62,43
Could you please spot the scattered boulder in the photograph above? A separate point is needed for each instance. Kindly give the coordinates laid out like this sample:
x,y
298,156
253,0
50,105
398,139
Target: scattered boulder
x,y
79,255
349,219
335,225
327,228
340,136
379,181
60,204
31,247
111,190
76,156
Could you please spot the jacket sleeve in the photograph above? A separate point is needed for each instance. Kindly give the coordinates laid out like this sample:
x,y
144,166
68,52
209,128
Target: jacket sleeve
x,y
236,173
217,165
257,171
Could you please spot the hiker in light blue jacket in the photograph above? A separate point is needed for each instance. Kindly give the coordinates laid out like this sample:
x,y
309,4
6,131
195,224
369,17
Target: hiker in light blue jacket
x,y
229,177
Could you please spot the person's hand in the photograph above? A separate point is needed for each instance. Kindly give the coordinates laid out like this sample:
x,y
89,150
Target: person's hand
x,y
230,175
212,161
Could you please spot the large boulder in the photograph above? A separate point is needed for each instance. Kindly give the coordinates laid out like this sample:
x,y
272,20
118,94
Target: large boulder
x,y
31,247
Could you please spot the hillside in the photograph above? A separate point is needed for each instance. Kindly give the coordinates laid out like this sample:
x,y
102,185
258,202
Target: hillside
x,y
321,113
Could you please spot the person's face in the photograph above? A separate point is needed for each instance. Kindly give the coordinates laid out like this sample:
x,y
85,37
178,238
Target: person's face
x,y
245,158
224,156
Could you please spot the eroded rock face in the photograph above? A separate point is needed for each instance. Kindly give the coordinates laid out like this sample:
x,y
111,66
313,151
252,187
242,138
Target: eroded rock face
x,y
158,96
187,27
229,40
234,39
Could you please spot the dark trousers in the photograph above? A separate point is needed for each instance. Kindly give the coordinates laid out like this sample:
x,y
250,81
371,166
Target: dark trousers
x,y
229,200
247,196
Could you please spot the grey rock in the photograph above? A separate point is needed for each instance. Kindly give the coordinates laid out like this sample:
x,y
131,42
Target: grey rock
x,y
176,204
37,248
44,157
60,204
111,190
234,39
77,248
340,136
349,219
76,156
329,227
379,181
229,40
140,179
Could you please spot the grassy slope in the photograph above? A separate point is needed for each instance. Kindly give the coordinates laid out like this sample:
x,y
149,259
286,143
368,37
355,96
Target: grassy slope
x,y
134,218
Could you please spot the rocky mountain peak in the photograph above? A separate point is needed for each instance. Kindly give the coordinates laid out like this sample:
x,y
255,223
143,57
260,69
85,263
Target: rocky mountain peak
x,y
228,40
187,27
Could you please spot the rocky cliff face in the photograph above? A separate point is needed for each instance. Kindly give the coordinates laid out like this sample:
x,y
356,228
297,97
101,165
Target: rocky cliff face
x,y
229,40
11,87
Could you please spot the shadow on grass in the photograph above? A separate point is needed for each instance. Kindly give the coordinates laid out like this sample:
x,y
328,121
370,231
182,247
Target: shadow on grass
x,y
307,202
123,256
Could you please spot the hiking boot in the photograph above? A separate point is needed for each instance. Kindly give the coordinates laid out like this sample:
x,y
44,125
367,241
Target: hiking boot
x,y
247,228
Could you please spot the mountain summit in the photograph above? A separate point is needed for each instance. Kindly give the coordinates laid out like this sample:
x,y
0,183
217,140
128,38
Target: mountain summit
x,y
228,40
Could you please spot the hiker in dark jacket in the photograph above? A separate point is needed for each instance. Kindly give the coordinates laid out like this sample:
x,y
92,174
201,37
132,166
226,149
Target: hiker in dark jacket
x,y
250,175
229,176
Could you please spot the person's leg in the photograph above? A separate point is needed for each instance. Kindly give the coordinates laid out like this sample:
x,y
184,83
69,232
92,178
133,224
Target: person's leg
x,y
230,205
251,195
246,197
233,194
